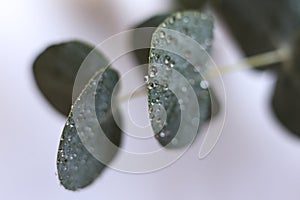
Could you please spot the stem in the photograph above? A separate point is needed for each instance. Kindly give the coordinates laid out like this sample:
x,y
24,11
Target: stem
x,y
255,61
138,92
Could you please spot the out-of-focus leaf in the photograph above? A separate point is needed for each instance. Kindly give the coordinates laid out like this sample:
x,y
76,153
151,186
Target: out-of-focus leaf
x,y
142,37
55,70
285,103
175,87
260,25
191,4
77,166
286,96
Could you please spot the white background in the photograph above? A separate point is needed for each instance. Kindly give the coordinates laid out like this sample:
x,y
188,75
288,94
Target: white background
x,y
255,158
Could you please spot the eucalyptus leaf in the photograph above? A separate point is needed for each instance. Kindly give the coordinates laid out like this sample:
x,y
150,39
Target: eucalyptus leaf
x,y
142,37
190,4
260,26
285,103
178,96
286,96
55,71
77,161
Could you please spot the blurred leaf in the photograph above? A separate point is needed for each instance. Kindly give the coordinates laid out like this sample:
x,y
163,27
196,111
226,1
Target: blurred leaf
x,y
260,25
191,4
77,166
286,96
174,86
285,103
55,70
142,37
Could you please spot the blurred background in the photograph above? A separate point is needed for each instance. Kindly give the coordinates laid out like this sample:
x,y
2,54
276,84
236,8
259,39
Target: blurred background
x,y
255,158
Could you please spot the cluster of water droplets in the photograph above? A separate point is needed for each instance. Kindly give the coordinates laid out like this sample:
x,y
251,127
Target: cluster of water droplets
x,y
74,161
77,167
163,63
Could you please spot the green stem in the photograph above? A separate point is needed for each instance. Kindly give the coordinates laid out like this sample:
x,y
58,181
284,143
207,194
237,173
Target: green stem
x,y
271,57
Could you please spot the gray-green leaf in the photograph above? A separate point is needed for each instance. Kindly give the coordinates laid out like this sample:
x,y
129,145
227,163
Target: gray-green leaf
x,y
142,37
286,96
55,70
91,137
260,26
178,97
190,4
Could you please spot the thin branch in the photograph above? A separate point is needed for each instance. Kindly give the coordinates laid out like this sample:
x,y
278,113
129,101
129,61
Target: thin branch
x,y
272,57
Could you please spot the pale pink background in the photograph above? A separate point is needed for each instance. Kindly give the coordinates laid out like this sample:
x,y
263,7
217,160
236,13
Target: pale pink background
x,y
254,159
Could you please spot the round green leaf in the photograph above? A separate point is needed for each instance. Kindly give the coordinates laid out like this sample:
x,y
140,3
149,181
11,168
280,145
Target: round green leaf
x,y
76,163
179,45
143,37
285,103
55,70
191,4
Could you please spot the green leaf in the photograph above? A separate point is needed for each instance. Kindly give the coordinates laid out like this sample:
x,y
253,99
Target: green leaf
x,y
55,70
260,26
191,4
142,37
178,96
88,133
286,96
285,103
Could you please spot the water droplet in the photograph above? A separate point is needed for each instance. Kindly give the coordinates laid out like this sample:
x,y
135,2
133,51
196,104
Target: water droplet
x,y
162,134
168,68
172,64
146,79
150,109
157,56
162,34
185,30
153,71
151,116
172,20
180,101
150,86
165,87
178,16
204,84
203,16
167,60
183,89
158,120
163,25
186,20
156,42
94,83
169,39
68,123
